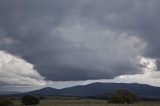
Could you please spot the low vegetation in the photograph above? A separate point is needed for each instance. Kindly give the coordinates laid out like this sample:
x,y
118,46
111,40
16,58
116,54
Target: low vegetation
x,y
30,100
85,102
122,96
6,102
118,98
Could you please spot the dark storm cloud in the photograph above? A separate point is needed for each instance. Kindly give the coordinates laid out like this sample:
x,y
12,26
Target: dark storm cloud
x,y
80,40
139,17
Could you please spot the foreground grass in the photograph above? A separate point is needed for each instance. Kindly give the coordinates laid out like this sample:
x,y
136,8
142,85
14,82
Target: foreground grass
x,y
85,102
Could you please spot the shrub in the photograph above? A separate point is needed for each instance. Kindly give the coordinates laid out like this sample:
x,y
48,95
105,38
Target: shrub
x,y
30,100
6,102
122,96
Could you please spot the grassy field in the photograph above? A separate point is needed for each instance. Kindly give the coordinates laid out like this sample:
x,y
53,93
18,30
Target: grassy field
x,y
85,102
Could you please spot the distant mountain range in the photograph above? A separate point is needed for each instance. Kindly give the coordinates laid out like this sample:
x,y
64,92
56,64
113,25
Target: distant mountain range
x,y
9,92
100,89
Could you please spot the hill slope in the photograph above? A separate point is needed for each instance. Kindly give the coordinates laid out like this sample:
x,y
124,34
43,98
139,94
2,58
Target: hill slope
x,y
100,89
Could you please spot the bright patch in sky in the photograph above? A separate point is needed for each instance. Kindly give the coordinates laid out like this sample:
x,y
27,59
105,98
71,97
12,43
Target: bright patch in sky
x,y
150,73
16,71
150,76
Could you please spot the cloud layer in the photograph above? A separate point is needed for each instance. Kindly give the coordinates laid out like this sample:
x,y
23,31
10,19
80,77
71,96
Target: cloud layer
x,y
81,40
16,71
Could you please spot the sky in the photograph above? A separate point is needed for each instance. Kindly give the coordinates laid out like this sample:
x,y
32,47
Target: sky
x,y
62,43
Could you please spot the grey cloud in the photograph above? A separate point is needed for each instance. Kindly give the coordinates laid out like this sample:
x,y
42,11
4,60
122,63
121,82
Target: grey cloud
x,y
140,17
80,40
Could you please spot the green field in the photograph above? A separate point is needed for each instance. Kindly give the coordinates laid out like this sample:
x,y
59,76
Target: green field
x,y
85,102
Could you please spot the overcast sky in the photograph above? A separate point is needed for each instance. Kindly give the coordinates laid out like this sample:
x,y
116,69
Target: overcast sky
x,y
63,43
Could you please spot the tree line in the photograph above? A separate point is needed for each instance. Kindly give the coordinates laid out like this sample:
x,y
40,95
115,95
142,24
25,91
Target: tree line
x,y
121,96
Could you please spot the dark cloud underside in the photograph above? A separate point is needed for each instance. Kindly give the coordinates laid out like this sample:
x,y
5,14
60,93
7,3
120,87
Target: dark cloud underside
x,y
81,40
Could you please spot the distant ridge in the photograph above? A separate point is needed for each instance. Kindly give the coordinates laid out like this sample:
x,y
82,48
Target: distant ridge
x,y
100,89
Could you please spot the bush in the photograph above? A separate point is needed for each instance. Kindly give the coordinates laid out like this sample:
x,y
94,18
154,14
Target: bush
x,y
6,102
122,96
30,100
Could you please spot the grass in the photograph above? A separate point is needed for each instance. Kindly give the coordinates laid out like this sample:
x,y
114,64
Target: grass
x,y
85,102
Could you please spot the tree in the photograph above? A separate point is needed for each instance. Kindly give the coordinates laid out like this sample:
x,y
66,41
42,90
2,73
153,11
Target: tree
x,y
6,102
30,100
122,96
